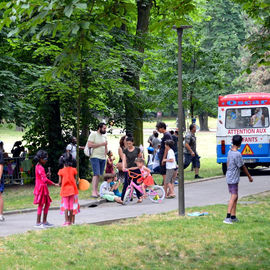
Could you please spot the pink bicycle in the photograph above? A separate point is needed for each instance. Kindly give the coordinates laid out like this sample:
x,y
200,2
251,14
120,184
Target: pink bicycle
x,y
155,193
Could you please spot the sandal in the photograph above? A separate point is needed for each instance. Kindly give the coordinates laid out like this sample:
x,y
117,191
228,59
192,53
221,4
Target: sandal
x,y
140,200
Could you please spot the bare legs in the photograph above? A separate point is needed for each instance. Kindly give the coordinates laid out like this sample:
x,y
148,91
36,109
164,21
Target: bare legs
x,y
118,200
232,205
69,217
95,182
1,204
45,213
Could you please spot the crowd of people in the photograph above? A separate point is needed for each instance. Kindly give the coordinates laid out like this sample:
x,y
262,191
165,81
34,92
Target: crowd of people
x,y
162,159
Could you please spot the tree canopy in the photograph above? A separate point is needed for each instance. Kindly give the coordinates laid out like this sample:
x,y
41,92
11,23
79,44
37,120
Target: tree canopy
x,y
67,65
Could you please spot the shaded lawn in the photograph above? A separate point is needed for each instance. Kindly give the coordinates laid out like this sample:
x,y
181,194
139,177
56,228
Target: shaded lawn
x,y
164,241
21,197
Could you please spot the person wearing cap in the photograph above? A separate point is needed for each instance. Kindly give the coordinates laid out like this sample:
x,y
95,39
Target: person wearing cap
x,y
150,159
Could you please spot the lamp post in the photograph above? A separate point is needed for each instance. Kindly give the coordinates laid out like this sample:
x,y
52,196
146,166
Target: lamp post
x,y
181,190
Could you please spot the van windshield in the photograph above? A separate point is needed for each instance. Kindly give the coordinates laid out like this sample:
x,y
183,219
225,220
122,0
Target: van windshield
x,y
247,118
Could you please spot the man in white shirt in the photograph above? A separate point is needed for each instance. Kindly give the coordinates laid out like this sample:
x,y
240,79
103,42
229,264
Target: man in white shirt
x,y
98,142
72,147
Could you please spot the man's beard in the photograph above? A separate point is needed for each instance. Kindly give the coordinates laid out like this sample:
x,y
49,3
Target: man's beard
x,y
103,131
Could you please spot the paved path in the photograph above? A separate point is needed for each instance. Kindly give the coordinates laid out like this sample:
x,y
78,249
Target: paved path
x,y
197,194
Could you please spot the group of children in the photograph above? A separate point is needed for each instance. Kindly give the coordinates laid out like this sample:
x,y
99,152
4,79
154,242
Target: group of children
x,y
109,189
69,191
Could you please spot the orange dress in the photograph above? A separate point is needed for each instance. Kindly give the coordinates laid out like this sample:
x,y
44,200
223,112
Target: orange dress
x,y
69,188
147,180
68,184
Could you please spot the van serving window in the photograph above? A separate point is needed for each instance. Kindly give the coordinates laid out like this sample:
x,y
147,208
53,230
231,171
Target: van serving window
x,y
247,117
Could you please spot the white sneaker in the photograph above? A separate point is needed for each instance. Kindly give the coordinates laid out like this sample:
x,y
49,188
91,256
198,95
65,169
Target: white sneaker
x,y
47,225
227,221
39,226
2,218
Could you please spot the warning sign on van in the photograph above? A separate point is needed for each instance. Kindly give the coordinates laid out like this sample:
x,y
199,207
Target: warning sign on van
x,y
247,150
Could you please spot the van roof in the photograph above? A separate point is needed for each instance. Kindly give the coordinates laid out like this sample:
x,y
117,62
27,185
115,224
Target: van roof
x,y
244,99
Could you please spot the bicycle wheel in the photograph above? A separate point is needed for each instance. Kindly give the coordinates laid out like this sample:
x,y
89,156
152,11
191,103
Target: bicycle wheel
x,y
127,196
156,194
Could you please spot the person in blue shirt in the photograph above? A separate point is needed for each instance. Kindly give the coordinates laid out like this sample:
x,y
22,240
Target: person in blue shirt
x,y
115,185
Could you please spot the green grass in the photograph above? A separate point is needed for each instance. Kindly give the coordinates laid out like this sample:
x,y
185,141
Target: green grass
x,y
164,241
171,122
9,135
21,197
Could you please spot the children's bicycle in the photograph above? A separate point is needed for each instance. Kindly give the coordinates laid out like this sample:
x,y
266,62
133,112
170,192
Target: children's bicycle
x,y
155,193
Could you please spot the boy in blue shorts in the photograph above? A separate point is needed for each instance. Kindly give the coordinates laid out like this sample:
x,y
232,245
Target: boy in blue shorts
x,y
234,163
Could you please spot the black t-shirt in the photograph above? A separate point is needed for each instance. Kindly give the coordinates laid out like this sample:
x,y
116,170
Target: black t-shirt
x,y
167,136
175,140
1,158
17,151
131,156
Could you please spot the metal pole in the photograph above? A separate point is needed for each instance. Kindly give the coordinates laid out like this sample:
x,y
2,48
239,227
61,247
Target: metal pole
x,y
181,187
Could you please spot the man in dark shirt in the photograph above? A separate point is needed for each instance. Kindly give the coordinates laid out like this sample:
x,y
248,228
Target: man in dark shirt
x,y
190,152
161,128
175,140
1,180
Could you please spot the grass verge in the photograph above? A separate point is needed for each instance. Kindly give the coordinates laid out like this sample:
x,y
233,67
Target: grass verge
x,y
164,241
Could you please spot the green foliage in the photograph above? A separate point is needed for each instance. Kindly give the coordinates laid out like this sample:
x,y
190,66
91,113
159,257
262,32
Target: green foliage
x,y
210,60
259,42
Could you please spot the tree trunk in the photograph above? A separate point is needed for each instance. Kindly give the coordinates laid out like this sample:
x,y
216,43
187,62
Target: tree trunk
x,y
203,118
55,141
134,114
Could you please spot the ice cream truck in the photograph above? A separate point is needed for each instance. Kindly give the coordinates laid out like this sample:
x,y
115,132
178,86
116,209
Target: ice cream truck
x,y
246,114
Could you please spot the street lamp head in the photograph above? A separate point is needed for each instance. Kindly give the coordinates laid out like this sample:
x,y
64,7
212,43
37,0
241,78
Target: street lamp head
x,y
182,27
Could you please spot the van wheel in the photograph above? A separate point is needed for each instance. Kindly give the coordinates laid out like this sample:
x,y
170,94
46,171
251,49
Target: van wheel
x,y
224,168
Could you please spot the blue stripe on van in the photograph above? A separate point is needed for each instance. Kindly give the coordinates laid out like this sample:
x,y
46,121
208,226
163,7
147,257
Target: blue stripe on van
x,y
261,152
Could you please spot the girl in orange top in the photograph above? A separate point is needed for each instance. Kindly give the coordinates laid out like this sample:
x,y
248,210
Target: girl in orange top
x,y
69,191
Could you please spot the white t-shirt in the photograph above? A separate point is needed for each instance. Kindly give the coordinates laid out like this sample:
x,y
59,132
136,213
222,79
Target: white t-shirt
x,y
97,138
171,155
156,162
104,188
72,148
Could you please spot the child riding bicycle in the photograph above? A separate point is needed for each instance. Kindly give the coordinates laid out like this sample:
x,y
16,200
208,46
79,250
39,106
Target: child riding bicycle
x,y
146,179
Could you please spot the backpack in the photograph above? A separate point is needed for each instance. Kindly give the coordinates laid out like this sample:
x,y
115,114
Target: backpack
x,y
87,150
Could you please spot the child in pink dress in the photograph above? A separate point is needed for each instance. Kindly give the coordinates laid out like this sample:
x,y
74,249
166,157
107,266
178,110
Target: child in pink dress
x,y
41,191
146,180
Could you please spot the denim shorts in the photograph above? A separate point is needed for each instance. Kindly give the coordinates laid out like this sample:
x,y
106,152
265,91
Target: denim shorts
x,y
2,185
98,166
188,158
233,188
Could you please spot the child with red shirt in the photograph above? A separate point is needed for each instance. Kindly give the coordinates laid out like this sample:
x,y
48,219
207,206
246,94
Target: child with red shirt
x,y
69,191
109,164
41,191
